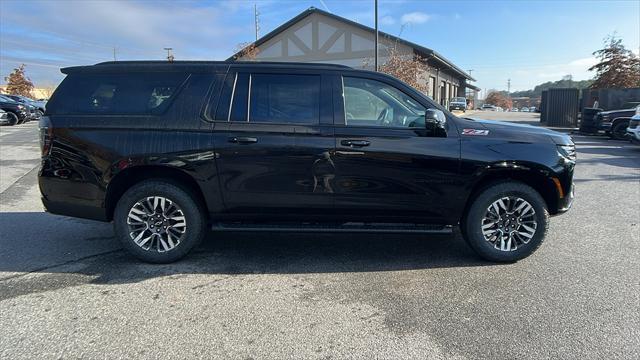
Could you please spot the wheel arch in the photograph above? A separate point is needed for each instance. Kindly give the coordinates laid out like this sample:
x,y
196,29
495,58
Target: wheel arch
x,y
128,177
535,178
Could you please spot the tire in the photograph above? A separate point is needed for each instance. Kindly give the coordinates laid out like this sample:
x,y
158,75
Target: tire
x,y
13,118
619,130
522,242
188,231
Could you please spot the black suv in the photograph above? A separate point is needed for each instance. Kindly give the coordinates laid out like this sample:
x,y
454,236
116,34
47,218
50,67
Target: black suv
x,y
168,151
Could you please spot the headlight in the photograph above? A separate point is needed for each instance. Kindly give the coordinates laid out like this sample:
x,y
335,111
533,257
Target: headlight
x,y
568,151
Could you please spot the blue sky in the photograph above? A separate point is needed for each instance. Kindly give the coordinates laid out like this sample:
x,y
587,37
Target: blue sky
x,y
529,42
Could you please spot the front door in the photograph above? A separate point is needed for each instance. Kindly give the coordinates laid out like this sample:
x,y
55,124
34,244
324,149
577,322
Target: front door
x,y
272,153
388,167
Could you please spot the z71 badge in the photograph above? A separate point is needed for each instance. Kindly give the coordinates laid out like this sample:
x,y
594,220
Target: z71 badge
x,y
475,132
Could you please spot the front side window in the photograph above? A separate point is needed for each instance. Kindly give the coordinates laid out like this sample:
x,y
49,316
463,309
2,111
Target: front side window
x,y
373,103
284,99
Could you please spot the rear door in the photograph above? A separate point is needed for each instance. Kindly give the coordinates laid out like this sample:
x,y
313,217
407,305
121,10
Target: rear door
x,y
388,167
273,146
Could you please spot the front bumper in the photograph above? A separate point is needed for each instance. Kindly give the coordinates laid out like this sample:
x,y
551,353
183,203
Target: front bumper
x,y
634,135
564,204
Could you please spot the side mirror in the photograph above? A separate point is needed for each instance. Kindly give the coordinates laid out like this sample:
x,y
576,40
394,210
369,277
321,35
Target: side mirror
x,y
435,122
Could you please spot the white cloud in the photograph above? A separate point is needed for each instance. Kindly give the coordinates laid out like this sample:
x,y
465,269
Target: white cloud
x,y
387,20
415,17
585,62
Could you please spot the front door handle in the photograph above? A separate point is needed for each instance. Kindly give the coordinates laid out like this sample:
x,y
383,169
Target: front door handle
x,y
243,140
355,143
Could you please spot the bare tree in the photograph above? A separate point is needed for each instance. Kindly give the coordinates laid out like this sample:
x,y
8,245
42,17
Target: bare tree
x,y
18,83
247,51
409,68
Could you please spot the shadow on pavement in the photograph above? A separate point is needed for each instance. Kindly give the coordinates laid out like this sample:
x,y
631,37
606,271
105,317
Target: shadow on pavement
x,y
86,252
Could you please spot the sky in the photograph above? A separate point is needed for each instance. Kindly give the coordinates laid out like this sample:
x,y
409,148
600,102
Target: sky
x,y
528,42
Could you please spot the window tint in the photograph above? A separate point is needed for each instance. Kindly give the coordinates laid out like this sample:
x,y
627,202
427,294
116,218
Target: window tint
x,y
127,93
374,103
293,99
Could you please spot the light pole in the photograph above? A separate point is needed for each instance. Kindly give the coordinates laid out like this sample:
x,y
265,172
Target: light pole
x,y
170,56
376,45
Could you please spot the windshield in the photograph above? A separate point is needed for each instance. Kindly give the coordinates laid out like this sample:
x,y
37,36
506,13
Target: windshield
x,y
459,99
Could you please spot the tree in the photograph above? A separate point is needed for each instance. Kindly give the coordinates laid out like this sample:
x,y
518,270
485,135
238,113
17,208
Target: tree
x,y
498,98
247,50
18,83
409,68
618,67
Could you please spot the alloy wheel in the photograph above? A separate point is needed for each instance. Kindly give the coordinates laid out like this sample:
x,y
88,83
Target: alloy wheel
x,y
156,223
509,223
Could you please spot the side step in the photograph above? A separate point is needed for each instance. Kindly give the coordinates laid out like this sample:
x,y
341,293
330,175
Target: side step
x,y
335,228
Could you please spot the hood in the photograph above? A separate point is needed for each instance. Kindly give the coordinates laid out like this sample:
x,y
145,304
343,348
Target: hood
x,y
515,129
609,112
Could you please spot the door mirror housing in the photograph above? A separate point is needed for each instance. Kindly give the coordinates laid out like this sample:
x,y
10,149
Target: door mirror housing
x,y
435,122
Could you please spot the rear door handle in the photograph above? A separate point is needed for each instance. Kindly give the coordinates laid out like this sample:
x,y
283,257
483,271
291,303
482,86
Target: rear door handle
x,y
243,140
356,143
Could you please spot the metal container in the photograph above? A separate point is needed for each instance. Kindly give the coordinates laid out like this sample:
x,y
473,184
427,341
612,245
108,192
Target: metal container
x,y
561,107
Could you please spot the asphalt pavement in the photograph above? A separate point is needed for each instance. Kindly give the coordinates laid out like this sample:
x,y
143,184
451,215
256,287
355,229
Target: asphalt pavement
x,y
68,291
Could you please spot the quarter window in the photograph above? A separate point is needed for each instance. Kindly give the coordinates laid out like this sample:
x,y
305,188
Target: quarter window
x,y
115,94
287,99
373,103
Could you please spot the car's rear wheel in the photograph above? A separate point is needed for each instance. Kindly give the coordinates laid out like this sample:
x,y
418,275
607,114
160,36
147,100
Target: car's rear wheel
x,y
13,118
158,221
619,130
506,222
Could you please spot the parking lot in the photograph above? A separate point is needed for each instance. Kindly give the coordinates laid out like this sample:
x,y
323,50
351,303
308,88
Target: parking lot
x,y
68,291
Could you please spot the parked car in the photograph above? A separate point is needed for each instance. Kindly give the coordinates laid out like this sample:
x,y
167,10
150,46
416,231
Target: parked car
x,y
39,105
633,131
4,118
169,150
16,112
533,109
614,123
514,110
489,107
458,103
525,109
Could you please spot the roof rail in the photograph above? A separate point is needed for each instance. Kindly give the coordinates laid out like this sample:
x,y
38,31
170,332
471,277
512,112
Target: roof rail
x,y
212,62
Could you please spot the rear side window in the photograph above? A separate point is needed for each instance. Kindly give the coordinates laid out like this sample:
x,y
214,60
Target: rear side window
x,y
116,94
285,99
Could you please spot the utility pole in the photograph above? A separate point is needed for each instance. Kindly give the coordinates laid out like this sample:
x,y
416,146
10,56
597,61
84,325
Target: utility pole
x,y
114,53
469,71
256,21
509,87
376,46
170,56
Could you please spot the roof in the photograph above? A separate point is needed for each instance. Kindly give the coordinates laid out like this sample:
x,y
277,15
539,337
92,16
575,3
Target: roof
x,y
472,87
426,52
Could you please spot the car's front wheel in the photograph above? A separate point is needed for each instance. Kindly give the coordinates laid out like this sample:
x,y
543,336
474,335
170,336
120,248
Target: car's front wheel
x,y
619,130
158,221
506,222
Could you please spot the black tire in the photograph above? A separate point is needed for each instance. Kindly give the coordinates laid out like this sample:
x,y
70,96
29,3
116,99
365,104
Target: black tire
x,y
619,130
194,215
471,226
13,118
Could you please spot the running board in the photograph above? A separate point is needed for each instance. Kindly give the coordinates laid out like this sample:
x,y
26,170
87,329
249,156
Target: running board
x,y
330,228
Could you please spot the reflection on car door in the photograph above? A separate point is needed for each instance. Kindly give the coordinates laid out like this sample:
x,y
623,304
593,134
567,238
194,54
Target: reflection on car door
x,y
273,145
387,168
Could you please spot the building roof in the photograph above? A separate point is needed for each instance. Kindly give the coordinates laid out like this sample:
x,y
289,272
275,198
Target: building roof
x,y
423,51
